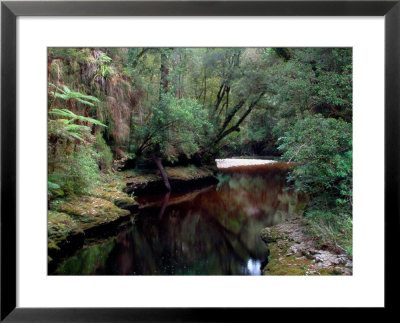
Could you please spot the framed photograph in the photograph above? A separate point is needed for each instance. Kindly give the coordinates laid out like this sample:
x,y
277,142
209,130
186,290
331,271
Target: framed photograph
x,y
197,160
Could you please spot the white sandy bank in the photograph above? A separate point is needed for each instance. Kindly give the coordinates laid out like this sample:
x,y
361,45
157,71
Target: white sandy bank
x,y
235,162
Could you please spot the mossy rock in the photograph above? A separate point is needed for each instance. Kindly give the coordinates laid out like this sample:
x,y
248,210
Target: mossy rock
x,y
174,173
60,226
140,179
292,252
89,211
187,173
270,235
281,264
112,194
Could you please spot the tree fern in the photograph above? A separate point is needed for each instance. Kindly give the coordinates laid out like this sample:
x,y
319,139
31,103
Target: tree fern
x,y
67,94
70,130
77,127
69,114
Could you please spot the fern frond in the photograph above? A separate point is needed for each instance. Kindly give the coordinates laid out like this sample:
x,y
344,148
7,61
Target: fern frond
x,y
67,94
52,186
76,127
76,136
55,86
60,96
90,97
73,116
85,102
94,121
54,189
63,112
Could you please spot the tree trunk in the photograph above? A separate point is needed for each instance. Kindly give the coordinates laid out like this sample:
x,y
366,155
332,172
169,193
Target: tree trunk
x,y
49,61
130,130
164,74
205,88
163,173
163,90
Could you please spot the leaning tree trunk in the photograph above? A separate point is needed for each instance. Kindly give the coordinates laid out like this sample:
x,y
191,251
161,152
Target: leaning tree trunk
x,y
163,173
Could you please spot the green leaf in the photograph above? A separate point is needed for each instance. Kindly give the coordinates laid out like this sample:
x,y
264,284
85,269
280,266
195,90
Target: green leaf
x,y
75,135
85,102
77,127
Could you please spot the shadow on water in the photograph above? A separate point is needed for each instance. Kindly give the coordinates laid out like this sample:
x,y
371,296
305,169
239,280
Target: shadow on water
x,y
212,231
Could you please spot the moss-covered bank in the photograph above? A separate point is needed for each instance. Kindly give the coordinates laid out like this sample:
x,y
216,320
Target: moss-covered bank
x,y
293,252
181,179
73,219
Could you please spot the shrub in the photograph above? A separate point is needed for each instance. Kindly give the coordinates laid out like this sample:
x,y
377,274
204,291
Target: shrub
x,y
176,127
105,156
321,149
78,172
72,157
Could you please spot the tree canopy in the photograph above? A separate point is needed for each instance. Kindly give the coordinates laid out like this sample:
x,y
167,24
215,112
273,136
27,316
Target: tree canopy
x,y
165,105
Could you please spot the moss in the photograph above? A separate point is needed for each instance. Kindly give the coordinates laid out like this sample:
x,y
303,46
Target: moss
x,y
89,211
270,235
279,264
174,173
51,244
187,173
60,225
113,194
72,216
134,178
291,252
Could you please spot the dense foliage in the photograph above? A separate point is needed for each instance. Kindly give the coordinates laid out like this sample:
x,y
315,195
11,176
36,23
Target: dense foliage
x,y
322,150
178,104
176,127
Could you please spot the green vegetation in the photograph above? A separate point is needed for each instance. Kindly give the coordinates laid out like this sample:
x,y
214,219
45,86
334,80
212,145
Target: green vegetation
x,y
176,127
145,108
319,141
322,149
291,252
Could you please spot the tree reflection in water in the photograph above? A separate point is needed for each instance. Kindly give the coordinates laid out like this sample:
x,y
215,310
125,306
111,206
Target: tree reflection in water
x,y
215,231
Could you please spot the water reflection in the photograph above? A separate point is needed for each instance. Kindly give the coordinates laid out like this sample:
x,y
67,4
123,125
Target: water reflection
x,y
254,267
213,231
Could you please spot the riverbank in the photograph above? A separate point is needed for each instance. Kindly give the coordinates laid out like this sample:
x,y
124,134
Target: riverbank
x,y
241,162
293,252
180,178
72,220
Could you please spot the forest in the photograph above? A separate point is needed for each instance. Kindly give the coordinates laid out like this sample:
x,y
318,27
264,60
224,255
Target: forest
x,y
124,123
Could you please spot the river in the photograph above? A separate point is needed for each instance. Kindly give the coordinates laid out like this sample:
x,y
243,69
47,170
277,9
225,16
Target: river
x,y
214,230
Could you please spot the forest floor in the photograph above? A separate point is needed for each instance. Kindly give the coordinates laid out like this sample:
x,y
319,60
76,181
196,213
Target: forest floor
x,y
292,251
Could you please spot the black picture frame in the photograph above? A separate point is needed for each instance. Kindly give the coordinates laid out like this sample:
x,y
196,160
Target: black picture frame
x,y
10,10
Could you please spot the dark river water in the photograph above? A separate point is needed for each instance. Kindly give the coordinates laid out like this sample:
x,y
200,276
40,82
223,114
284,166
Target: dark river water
x,y
210,231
